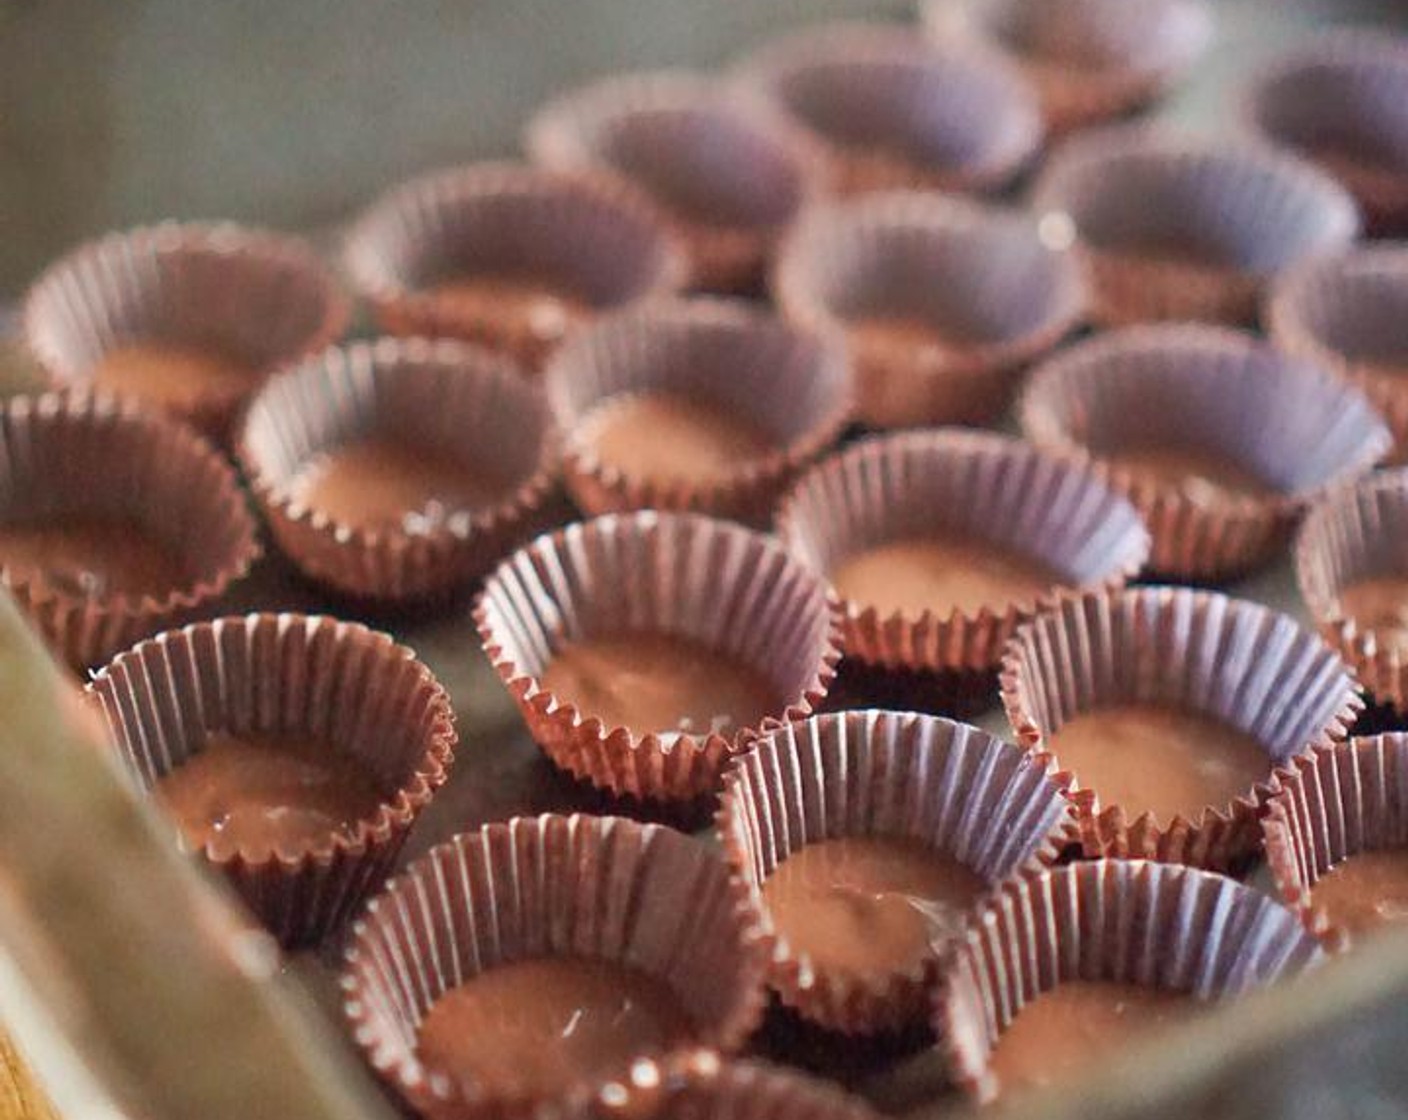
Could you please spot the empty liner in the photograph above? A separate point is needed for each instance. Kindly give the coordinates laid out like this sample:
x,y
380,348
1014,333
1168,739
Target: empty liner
x,y
732,590
995,296
581,886
1126,921
888,110
1289,423
728,175
1243,664
975,487
1181,228
352,690
790,381
591,238
442,395
991,806
261,297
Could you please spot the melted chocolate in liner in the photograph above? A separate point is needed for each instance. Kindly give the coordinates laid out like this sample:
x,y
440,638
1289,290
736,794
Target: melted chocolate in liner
x,y
92,557
941,575
540,1025
1379,604
651,682
173,374
1165,760
380,483
260,794
1200,473
1067,1032
664,437
547,310
1365,891
868,905
904,338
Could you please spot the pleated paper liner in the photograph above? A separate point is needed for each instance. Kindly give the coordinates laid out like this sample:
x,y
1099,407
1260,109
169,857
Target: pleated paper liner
x,y
587,238
1346,313
975,487
792,383
1286,422
982,279
1090,61
890,111
75,458
1242,664
581,886
352,690
1134,922
262,298
727,174
1341,100
445,396
990,806
735,591
1358,532
704,1086
1173,227
1328,806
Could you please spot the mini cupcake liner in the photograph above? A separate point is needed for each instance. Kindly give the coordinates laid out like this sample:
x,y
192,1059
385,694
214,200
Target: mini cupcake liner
x,y
591,235
703,1086
1355,533
261,296
598,887
889,111
1346,313
1341,100
1330,805
1088,60
982,276
793,383
1121,193
1123,921
973,485
728,177
335,683
989,805
442,394
76,454
1248,666
1287,421
731,589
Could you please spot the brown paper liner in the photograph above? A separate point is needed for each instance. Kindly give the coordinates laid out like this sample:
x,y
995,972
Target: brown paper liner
x,y
1286,421
734,590
263,297
94,456
792,383
598,887
1346,313
889,111
1115,920
1236,661
728,176
970,485
589,235
987,804
1089,60
1355,533
1341,100
704,1086
1247,213
337,684
1327,806
979,275
443,394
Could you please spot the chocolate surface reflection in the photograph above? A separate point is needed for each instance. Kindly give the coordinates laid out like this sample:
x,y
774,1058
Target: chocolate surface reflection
x,y
1365,891
173,374
92,557
545,309
665,437
1201,474
1379,604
